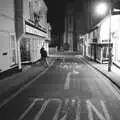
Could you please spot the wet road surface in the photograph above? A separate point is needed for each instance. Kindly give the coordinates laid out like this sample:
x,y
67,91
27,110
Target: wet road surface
x,y
70,90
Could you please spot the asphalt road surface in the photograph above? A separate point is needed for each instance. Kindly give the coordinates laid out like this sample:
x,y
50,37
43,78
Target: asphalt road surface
x,y
70,90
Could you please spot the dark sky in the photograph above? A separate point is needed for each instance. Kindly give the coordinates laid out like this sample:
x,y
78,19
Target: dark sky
x,y
56,10
56,14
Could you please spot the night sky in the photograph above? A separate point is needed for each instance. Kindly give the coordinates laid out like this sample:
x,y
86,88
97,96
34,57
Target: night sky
x,y
56,12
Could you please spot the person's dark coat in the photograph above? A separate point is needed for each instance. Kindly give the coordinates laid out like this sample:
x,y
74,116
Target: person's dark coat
x,y
43,53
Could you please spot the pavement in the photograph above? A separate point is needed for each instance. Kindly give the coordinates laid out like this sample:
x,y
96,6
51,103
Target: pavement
x,y
11,83
113,75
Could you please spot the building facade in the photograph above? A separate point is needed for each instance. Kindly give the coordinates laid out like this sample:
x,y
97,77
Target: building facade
x,y
26,30
69,27
8,51
75,24
97,47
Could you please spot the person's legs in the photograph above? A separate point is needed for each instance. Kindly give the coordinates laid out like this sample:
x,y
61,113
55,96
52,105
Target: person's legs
x,y
42,61
45,62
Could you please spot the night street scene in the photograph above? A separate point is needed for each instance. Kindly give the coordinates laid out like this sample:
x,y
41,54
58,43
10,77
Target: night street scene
x,y
59,59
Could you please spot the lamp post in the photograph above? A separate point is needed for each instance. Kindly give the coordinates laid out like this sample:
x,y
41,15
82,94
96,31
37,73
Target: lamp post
x,y
101,9
109,44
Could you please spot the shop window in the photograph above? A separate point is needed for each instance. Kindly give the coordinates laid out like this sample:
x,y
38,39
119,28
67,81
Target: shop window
x,y
105,52
25,49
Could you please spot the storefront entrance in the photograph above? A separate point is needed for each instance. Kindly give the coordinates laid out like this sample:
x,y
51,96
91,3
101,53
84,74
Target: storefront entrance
x,y
25,50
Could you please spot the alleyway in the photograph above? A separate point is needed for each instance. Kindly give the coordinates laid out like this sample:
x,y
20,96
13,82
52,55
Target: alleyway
x,y
70,90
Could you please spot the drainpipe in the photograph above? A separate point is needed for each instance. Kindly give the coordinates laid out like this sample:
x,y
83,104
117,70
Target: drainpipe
x,y
18,52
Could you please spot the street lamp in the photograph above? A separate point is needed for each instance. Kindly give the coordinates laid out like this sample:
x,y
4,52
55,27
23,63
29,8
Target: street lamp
x,y
109,45
101,9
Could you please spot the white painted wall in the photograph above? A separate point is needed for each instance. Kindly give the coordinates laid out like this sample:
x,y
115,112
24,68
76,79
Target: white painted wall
x,y
26,11
6,15
4,48
6,28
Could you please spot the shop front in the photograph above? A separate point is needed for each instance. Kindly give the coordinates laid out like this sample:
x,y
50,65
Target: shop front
x,y
31,43
115,38
25,49
32,30
8,48
102,53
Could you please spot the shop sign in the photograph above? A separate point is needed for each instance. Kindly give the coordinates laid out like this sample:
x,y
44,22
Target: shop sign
x,y
34,31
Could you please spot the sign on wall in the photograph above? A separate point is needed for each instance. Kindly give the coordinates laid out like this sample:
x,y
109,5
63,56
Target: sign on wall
x,y
34,31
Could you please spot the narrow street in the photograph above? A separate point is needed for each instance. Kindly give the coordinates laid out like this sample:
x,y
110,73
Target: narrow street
x,y
70,90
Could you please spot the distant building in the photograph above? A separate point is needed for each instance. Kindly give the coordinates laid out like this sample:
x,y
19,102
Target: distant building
x,y
75,24
69,26
24,30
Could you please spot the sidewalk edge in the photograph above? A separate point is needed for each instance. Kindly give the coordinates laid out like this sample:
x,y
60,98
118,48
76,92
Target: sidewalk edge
x,y
13,90
102,73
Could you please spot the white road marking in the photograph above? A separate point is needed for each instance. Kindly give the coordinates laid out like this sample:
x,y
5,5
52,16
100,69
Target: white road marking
x,y
27,110
66,104
37,117
64,117
67,81
21,89
78,110
91,107
105,110
67,101
75,72
65,67
36,99
57,111
90,115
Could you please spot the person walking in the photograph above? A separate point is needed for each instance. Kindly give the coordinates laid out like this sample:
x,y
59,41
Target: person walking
x,y
43,53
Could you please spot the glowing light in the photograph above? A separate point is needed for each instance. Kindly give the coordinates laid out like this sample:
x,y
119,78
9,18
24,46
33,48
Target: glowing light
x,y
101,8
